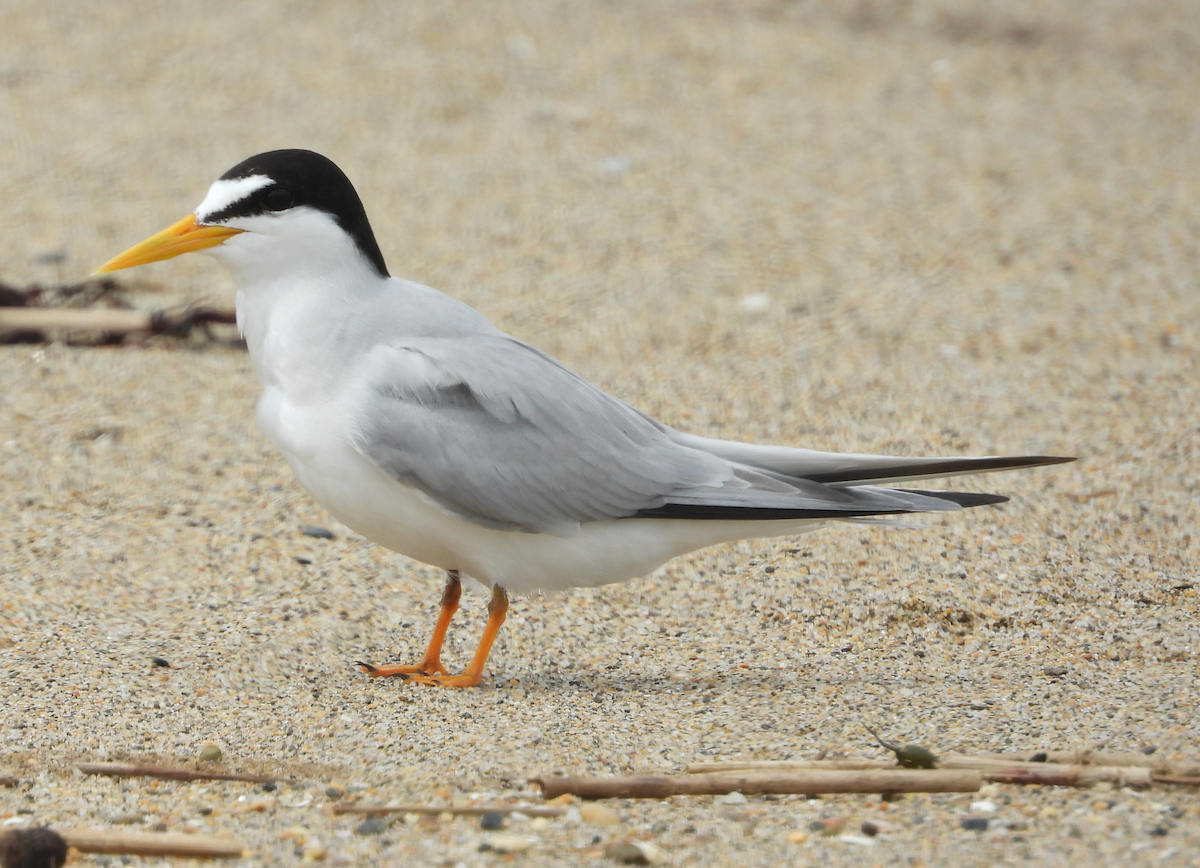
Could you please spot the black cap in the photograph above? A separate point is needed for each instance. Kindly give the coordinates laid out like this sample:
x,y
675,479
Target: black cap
x,y
303,178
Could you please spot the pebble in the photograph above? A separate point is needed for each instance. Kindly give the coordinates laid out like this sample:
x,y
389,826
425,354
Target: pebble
x,y
598,814
505,842
829,826
492,820
869,829
373,825
734,798
209,753
317,531
974,824
860,840
32,848
314,852
984,807
626,853
1055,671
797,837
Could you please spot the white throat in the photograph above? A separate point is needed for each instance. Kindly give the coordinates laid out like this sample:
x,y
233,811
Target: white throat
x,y
298,277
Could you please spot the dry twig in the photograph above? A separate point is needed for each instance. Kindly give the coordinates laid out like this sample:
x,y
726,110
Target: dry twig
x,y
132,770
1104,758
465,810
153,844
109,321
811,782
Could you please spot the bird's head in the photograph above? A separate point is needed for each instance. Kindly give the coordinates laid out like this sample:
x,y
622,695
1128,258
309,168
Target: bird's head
x,y
276,212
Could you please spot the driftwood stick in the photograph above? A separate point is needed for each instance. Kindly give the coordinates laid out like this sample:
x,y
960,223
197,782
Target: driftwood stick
x,y
993,768
1061,775
1104,758
109,320
153,844
74,319
1190,780
1055,774
133,770
463,810
785,766
753,783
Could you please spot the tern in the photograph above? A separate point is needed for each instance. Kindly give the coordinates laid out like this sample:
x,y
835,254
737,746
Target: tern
x,y
417,423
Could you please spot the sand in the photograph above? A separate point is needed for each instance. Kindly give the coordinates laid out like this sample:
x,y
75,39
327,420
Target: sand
x,y
918,228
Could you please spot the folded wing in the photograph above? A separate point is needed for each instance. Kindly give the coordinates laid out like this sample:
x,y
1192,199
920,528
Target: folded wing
x,y
500,434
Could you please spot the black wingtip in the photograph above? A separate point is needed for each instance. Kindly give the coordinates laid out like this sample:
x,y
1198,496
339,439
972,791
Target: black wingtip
x,y
947,467
965,499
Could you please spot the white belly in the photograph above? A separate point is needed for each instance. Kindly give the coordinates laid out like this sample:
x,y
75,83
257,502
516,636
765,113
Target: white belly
x,y
364,498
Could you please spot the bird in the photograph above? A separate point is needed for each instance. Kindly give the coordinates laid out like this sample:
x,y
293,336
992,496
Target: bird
x,y
419,424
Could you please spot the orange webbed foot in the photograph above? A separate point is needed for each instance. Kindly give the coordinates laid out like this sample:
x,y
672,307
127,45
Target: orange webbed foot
x,y
389,669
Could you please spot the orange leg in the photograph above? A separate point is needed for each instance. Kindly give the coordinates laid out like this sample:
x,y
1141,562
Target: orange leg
x,y
432,662
473,674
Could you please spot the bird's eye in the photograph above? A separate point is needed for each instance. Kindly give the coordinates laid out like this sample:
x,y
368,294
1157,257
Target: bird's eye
x,y
279,199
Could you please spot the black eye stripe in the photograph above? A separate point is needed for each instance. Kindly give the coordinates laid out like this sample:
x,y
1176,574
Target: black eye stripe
x,y
279,199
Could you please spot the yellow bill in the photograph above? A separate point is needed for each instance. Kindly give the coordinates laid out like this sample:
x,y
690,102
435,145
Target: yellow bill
x,y
182,237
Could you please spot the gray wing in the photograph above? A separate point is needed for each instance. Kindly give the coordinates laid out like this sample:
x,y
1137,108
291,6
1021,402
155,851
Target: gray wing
x,y
500,434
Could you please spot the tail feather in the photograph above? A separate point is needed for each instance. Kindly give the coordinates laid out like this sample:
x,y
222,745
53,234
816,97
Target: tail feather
x,y
780,483
846,469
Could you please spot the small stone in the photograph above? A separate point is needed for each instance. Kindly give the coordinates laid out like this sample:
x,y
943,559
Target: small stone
x,y
989,791
32,848
869,829
209,753
598,815
974,824
335,791
625,852
1148,749
540,824
373,825
860,840
1055,671
734,798
797,837
1160,830
314,852
509,843
491,821
635,853
270,787
829,826
983,807
303,560
161,662
317,531
411,819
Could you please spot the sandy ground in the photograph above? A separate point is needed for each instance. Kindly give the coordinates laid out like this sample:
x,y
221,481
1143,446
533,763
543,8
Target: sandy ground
x,y
910,227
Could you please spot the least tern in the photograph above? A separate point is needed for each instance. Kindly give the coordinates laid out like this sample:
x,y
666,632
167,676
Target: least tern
x,y
419,424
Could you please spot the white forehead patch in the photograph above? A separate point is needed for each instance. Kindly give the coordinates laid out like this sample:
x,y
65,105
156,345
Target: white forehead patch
x,y
223,193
